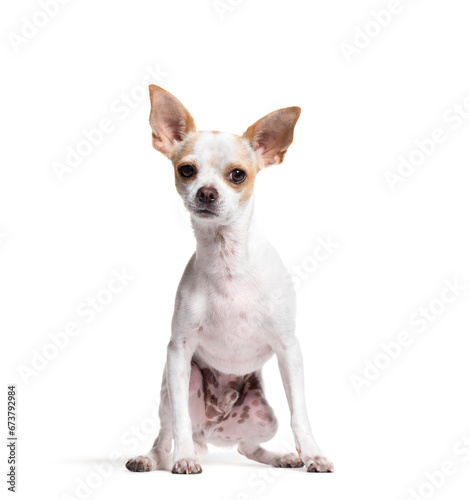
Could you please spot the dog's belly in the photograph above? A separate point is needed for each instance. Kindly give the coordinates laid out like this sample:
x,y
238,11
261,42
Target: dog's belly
x,y
236,361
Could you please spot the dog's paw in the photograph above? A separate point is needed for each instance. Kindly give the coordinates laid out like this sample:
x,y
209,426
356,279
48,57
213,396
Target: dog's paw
x,y
291,460
318,463
187,466
141,464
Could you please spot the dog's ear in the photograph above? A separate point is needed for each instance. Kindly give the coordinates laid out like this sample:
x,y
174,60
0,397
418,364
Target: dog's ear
x,y
273,134
169,119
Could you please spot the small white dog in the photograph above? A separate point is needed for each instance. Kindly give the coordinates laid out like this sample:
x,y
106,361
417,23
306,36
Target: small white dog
x,y
235,305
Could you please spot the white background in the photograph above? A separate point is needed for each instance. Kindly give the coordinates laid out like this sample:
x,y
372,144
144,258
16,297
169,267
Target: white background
x,y
60,241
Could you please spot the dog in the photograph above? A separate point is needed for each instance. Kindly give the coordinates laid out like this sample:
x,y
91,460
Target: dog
x,y
235,304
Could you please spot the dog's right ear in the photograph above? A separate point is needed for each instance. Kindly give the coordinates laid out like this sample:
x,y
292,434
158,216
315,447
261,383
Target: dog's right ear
x,y
169,119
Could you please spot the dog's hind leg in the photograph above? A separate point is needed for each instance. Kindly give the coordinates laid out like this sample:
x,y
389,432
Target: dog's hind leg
x,y
260,454
257,424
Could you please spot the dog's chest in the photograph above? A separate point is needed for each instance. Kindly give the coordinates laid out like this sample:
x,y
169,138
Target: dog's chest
x,y
235,325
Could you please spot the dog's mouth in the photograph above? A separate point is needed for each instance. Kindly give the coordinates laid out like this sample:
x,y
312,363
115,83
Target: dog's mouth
x,y
204,212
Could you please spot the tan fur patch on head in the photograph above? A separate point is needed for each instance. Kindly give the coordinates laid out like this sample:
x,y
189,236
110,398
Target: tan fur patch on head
x,y
244,159
182,150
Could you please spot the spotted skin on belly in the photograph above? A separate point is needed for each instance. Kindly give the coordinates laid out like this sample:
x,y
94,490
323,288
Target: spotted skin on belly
x,y
235,407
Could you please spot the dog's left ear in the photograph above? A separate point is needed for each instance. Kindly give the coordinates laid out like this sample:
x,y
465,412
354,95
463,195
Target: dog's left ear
x,y
273,134
169,119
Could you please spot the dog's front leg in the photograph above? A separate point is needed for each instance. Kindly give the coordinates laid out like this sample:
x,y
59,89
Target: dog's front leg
x,y
178,370
290,363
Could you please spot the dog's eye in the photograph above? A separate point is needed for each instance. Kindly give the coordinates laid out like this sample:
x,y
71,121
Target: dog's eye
x,y
237,176
187,170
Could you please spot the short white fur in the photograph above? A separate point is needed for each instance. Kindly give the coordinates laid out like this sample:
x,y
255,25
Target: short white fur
x,y
235,305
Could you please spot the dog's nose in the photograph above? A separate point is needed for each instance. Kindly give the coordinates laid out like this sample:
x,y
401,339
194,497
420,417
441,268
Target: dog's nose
x,y
207,194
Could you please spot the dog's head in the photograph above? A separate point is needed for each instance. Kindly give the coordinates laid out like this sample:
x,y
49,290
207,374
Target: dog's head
x,y
215,171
